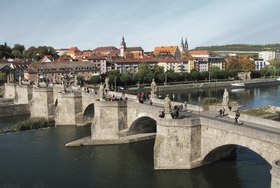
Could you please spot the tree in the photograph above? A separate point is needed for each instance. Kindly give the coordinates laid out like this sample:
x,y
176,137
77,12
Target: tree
x,y
18,51
80,80
95,80
38,53
144,72
275,63
126,78
232,63
5,51
247,64
2,76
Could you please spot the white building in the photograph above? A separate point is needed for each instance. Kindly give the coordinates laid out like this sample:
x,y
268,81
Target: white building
x,y
267,55
260,63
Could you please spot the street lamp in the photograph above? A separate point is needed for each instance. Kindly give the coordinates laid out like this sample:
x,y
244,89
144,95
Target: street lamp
x,y
115,81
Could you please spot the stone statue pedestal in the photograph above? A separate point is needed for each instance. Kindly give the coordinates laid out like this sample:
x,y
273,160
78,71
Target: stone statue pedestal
x,y
167,115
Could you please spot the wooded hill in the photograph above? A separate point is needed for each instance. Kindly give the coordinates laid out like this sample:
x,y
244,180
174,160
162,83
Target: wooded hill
x,y
241,47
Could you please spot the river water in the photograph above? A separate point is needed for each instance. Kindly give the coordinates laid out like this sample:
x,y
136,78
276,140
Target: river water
x,y
39,158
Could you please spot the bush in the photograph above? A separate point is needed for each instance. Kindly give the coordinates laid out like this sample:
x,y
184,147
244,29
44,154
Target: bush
x,y
34,123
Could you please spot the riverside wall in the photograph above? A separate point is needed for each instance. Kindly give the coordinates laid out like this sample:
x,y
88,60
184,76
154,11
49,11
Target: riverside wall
x,y
14,109
212,84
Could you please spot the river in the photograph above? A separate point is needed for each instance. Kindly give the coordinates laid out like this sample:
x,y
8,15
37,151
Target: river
x,y
39,158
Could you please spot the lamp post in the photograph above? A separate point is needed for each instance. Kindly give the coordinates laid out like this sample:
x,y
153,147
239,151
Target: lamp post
x,y
115,81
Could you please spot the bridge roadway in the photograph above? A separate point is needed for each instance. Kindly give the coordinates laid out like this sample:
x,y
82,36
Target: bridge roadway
x,y
214,115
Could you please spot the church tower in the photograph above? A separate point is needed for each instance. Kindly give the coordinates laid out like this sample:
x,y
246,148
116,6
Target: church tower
x,y
184,47
123,47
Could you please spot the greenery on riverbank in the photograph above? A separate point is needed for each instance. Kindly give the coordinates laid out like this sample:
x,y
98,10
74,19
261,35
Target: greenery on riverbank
x,y
208,101
33,123
258,112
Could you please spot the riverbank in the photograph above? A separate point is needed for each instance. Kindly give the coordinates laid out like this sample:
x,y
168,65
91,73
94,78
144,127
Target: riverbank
x,y
30,124
206,84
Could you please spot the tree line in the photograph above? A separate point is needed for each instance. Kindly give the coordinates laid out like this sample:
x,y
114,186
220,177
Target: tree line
x,y
32,53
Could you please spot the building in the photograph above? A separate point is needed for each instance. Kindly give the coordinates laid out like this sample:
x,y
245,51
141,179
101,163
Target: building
x,y
216,62
260,64
277,55
167,51
175,64
131,65
267,55
199,53
130,52
104,51
201,64
73,52
62,51
55,71
101,64
184,47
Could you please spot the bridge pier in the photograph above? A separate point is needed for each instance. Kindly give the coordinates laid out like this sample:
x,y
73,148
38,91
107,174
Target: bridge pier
x,y
42,103
10,91
69,105
177,144
24,94
110,118
275,174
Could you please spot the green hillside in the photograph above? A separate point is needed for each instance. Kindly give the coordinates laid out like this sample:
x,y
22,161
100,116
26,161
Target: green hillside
x,y
241,47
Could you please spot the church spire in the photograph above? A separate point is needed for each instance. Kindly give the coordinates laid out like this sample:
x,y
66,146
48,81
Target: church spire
x,y
182,41
123,47
123,44
186,42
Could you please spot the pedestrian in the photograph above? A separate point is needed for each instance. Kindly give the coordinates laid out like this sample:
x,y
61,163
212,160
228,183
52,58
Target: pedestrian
x,y
224,111
221,112
237,115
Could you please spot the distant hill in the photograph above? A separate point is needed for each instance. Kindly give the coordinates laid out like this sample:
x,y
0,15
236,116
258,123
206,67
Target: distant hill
x,y
241,47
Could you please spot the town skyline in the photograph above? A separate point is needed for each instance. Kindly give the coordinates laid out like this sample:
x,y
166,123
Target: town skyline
x,y
90,24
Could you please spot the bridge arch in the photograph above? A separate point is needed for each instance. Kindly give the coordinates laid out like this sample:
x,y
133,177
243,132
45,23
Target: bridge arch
x,y
89,111
143,124
225,151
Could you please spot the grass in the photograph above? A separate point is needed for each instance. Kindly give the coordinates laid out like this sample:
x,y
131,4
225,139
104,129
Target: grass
x,y
33,123
258,112
208,101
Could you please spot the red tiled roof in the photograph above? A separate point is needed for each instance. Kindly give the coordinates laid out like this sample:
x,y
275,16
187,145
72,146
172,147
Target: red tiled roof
x,y
169,49
105,48
199,52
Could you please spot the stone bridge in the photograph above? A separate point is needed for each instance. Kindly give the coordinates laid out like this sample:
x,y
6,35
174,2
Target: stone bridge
x,y
183,143
70,108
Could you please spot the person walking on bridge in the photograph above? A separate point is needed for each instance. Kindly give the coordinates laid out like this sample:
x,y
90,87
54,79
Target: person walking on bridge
x,y
237,115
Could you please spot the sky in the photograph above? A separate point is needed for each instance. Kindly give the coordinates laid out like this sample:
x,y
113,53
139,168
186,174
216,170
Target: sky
x,y
88,24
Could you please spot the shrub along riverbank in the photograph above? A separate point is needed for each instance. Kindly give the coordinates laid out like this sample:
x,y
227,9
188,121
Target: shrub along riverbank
x,y
33,123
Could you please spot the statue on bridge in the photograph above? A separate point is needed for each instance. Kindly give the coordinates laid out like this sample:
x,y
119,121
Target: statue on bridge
x,y
167,107
107,84
153,89
101,92
225,104
226,98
